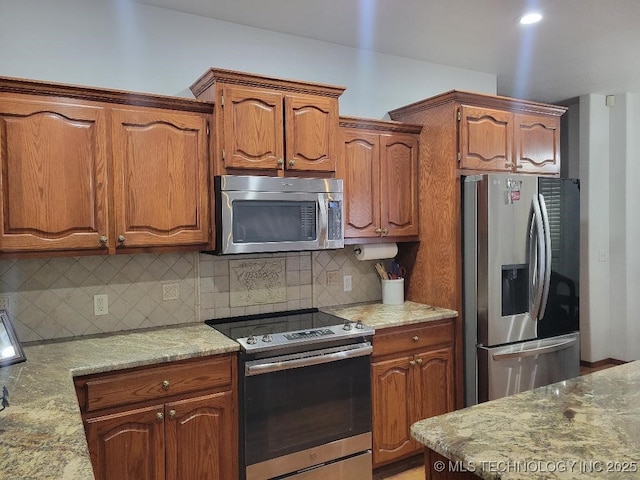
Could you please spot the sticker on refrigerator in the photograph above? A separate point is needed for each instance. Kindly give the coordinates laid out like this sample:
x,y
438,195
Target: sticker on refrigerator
x,y
513,190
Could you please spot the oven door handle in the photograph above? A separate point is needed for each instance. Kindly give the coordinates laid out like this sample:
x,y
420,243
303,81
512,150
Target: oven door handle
x,y
276,364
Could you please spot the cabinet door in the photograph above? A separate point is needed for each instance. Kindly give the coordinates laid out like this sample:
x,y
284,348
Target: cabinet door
x,y
53,175
161,175
359,168
311,126
399,188
435,383
392,397
253,131
485,139
202,438
127,446
537,140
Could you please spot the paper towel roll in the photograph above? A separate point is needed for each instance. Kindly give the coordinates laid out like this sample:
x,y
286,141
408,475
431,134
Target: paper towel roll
x,y
376,251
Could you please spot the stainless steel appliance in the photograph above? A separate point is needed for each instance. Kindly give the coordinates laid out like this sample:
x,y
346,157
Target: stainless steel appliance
x,y
305,396
270,214
521,283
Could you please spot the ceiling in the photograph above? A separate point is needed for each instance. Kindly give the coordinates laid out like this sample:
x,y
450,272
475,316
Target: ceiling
x,y
580,47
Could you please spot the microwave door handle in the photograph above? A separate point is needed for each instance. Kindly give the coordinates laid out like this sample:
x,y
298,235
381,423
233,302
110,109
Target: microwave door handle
x,y
536,259
323,224
548,256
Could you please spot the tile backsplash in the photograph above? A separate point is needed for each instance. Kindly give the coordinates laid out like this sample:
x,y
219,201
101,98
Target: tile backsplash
x,y
54,297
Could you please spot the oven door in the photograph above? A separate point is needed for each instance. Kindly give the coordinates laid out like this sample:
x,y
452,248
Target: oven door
x,y
307,409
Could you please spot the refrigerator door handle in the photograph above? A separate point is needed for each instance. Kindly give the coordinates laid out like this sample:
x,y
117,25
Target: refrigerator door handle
x,y
535,351
537,261
547,245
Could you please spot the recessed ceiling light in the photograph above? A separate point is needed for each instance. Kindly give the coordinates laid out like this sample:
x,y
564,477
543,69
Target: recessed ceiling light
x,y
530,18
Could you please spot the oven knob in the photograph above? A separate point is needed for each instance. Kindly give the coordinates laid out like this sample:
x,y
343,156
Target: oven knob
x,y
252,340
360,325
267,338
347,325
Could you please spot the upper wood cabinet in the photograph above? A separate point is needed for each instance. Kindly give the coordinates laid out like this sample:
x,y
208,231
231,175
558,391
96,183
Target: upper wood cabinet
x,y
502,141
98,171
160,178
53,175
270,126
379,167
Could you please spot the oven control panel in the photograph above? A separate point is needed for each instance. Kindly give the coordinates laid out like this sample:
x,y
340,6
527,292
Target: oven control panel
x,y
308,334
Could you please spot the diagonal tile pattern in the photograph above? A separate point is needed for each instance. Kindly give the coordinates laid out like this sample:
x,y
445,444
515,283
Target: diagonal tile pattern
x,y
53,298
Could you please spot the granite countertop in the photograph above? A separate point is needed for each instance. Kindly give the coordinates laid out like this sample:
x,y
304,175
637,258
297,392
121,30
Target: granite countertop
x,y
586,427
41,432
381,316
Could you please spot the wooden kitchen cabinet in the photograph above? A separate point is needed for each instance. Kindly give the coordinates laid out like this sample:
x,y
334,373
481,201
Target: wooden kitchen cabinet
x,y
412,374
53,174
503,141
379,168
464,134
163,422
269,126
97,171
160,178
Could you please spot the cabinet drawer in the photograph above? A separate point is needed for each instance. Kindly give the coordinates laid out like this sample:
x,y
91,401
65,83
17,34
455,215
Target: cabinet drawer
x,y
403,339
155,382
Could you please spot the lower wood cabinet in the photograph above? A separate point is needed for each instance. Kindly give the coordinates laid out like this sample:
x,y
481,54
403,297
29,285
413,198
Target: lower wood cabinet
x,y
412,378
168,435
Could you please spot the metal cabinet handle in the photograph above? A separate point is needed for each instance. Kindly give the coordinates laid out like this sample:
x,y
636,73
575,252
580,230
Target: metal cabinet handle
x,y
121,238
419,361
385,231
415,338
103,239
280,162
292,163
412,363
378,231
159,416
508,165
172,413
165,385
519,166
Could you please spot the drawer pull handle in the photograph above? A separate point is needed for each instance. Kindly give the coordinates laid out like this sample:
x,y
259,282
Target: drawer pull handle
x,y
292,163
412,363
172,413
419,361
159,416
121,238
165,385
280,161
103,239
378,231
416,338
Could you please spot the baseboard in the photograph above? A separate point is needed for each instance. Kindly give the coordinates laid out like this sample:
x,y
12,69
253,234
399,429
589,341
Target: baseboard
x,y
601,363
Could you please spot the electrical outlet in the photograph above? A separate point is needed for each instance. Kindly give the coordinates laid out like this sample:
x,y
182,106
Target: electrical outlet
x,y
333,277
101,304
346,280
4,302
170,291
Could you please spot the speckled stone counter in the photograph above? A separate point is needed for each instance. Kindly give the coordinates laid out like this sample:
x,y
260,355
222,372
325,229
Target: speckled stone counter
x,y
381,316
587,427
41,432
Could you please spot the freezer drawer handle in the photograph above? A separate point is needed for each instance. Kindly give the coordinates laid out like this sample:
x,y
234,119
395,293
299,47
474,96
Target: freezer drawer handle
x,y
535,351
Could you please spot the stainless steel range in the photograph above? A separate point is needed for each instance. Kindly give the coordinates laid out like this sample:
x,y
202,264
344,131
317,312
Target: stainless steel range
x,y
305,395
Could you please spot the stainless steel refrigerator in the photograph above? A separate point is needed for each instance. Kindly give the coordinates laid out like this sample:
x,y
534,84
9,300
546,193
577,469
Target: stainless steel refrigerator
x,y
521,257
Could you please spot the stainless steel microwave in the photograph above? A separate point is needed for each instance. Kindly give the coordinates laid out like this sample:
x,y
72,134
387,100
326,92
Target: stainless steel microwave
x,y
270,214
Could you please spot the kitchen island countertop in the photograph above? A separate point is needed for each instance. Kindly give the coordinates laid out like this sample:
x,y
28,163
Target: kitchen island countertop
x,y
41,431
380,316
586,427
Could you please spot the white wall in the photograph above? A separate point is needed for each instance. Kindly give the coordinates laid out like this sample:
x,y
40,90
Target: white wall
x,y
128,46
610,172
